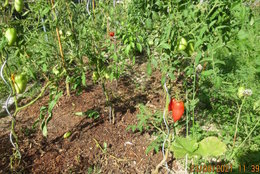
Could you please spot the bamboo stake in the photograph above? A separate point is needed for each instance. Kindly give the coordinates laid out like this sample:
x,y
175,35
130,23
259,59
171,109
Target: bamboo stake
x,y
61,51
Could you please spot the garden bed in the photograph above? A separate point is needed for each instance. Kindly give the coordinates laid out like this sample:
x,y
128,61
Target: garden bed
x,y
125,152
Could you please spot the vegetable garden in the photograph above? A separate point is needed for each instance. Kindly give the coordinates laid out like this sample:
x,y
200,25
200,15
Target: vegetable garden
x,y
134,86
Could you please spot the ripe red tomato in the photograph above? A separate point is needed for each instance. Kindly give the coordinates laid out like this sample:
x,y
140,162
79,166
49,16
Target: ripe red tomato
x,y
177,110
171,104
111,34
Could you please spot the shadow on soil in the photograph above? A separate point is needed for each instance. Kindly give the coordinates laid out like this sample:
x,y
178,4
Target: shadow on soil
x,y
248,160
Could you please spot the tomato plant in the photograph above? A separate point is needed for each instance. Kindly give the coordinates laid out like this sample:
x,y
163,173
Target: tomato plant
x,y
201,50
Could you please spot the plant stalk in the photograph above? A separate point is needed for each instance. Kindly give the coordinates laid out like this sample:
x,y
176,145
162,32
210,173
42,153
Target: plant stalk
x,y
238,117
60,47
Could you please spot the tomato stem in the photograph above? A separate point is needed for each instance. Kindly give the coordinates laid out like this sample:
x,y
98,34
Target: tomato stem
x,y
108,103
33,101
193,98
238,117
248,136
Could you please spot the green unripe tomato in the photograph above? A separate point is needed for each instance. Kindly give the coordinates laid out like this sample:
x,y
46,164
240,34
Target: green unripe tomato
x,y
240,92
20,83
182,44
11,35
18,5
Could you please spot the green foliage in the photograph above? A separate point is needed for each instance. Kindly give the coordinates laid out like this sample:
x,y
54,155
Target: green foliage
x,y
208,147
211,147
152,123
225,56
47,111
221,55
143,120
183,146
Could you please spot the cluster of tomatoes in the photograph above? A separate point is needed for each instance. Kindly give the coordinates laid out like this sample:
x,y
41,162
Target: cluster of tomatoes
x,y
177,108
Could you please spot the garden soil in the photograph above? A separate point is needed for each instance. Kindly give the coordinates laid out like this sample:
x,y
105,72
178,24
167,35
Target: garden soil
x,y
95,144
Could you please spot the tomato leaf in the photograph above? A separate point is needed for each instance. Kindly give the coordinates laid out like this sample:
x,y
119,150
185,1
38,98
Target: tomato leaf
x,y
127,50
207,73
139,47
165,46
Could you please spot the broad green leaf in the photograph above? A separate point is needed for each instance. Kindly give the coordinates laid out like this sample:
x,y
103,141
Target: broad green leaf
x,y
211,147
183,146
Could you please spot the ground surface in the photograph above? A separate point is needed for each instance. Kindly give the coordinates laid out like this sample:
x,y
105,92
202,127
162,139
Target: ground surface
x,y
80,152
